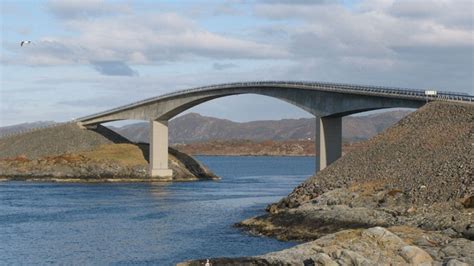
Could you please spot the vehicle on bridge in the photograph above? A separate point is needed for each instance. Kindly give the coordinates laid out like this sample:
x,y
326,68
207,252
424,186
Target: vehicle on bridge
x,y
328,102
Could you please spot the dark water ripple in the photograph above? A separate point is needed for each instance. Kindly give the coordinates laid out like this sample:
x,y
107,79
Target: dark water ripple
x,y
145,224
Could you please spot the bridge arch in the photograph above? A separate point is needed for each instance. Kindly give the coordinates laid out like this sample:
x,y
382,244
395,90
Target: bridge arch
x,y
328,102
319,99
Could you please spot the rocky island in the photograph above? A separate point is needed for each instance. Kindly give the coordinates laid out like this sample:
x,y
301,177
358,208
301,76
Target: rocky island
x,y
405,196
69,153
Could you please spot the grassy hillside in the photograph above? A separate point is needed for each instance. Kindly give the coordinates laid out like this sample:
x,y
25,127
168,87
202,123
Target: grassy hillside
x,y
68,151
57,140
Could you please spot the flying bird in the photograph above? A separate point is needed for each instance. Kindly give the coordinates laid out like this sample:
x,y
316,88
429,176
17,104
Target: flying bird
x,y
24,42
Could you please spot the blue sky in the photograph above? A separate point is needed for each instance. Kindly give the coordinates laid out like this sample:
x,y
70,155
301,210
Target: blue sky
x,y
92,55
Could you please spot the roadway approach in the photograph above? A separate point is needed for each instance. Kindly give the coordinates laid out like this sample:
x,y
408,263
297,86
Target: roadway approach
x,y
328,102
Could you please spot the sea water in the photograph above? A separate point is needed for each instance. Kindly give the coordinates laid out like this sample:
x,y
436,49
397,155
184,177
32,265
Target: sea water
x,y
142,223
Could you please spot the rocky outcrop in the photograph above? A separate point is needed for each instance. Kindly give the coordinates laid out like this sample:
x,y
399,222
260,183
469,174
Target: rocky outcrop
x,y
418,173
69,153
427,157
373,246
404,197
185,167
342,208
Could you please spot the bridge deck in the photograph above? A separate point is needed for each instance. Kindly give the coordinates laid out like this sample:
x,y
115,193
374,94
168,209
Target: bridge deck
x,y
406,93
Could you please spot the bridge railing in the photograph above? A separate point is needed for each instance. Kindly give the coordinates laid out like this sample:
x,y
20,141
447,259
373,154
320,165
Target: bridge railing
x,y
323,86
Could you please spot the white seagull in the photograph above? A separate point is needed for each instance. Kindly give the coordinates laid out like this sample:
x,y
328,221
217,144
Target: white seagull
x,y
24,42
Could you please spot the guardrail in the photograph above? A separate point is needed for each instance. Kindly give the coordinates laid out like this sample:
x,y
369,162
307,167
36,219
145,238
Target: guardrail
x,y
323,86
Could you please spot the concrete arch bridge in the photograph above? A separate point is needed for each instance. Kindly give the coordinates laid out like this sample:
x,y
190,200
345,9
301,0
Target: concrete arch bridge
x,y
328,102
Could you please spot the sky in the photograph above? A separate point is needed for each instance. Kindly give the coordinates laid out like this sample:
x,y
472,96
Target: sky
x,y
88,56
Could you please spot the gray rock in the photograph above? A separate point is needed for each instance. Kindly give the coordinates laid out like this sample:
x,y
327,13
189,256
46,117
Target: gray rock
x,y
469,232
375,246
426,169
455,262
415,255
323,259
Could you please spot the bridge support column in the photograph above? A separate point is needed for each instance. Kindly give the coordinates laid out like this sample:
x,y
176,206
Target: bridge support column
x,y
328,140
159,149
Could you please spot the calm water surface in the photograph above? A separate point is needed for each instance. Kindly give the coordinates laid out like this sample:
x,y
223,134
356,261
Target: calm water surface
x,y
42,223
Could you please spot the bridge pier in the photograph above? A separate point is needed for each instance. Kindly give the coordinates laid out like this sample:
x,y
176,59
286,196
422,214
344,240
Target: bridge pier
x,y
159,149
328,140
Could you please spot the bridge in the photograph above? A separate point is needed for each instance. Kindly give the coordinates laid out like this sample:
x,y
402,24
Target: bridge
x,y
328,102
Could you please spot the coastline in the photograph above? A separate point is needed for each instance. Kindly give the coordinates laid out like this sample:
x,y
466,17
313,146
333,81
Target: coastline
x,y
409,189
290,148
100,180
255,155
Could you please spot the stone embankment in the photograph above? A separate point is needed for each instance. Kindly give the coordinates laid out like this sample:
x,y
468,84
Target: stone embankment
x,y
68,153
405,196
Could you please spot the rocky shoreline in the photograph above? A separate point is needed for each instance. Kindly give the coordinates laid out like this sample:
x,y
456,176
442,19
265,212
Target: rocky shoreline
x,y
399,245
405,197
330,213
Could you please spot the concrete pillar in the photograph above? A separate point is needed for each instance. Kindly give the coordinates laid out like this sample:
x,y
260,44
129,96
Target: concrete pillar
x,y
328,140
159,149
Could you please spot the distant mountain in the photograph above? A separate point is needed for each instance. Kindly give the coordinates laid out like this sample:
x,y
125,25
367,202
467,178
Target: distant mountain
x,y
22,127
197,128
193,127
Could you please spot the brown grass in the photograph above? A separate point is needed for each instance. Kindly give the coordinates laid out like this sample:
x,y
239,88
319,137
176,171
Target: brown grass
x,y
406,233
368,188
127,154
64,158
18,159
394,192
347,235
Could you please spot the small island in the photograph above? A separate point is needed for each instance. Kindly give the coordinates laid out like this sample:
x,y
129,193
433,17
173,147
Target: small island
x,y
69,153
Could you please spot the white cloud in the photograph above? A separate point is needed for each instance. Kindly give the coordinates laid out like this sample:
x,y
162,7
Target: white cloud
x,y
457,13
380,40
149,38
377,33
418,44
77,9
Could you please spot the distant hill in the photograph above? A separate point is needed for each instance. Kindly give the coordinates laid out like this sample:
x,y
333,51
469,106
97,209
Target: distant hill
x,y
197,128
194,127
22,127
